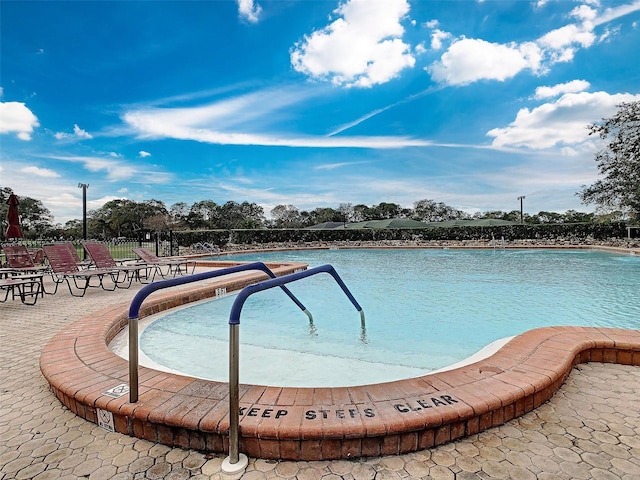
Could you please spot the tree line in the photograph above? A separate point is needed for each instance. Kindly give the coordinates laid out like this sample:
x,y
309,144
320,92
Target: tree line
x,y
128,218
616,194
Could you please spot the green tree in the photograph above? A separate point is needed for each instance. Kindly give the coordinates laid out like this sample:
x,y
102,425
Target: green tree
x,y
572,216
73,228
618,163
178,214
324,214
362,213
430,211
116,218
346,210
386,210
203,215
285,216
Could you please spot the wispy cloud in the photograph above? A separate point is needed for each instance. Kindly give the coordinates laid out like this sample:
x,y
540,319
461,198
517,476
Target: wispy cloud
x,y
378,111
116,169
78,133
40,172
333,166
248,120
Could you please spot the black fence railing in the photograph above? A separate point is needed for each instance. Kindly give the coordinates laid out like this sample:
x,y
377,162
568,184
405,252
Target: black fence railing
x,y
120,248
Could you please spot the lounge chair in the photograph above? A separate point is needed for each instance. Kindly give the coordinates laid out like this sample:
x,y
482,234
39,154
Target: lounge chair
x,y
20,259
102,258
81,263
28,285
174,265
64,268
37,255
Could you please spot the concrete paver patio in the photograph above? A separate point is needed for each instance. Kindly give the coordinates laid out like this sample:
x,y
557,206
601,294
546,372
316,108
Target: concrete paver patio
x,y
589,429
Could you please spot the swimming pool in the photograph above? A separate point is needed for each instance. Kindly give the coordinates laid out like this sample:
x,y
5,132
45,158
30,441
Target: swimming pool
x,y
425,309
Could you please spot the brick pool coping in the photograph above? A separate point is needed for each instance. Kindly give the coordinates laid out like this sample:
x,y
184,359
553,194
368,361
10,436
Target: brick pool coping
x,y
317,423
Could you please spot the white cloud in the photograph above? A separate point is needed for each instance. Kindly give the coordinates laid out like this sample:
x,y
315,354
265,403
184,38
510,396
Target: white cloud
x,y
77,133
245,120
437,38
362,48
80,133
40,172
469,60
143,154
555,90
610,14
115,170
333,166
147,124
248,10
16,118
584,13
559,123
566,37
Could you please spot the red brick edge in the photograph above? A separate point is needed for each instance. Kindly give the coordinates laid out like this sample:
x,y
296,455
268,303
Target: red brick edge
x,y
319,423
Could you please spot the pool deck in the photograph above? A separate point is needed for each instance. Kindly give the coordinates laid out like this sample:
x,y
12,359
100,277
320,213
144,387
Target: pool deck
x,y
590,428
310,424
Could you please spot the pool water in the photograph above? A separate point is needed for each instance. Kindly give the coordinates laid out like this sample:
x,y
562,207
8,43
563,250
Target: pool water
x,y
425,309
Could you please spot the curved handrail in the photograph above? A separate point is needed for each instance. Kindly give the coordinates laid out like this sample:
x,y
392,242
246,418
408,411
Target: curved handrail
x,y
236,308
237,461
144,292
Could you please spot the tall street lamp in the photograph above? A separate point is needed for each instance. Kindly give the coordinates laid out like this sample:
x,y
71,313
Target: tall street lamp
x,y
84,187
521,198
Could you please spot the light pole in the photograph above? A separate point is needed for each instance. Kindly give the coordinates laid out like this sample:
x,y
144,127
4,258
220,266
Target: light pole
x,y
521,198
84,187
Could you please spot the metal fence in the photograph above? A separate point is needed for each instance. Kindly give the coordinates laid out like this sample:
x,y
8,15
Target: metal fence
x,y
120,248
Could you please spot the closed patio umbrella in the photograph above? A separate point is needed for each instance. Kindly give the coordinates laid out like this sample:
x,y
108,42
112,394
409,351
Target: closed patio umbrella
x,y
13,218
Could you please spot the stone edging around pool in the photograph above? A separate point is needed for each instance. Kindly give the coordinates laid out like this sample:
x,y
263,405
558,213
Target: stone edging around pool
x,y
317,423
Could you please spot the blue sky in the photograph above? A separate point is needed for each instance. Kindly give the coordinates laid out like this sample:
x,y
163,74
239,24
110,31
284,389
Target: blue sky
x,y
311,103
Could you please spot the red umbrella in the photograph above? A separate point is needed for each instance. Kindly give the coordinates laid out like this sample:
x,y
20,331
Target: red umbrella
x,y
13,218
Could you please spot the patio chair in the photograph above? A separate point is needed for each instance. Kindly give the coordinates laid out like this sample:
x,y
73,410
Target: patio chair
x,y
102,258
20,259
174,265
37,255
64,268
81,263
28,285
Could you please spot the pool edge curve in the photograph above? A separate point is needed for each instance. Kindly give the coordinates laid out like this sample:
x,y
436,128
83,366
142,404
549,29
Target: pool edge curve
x,y
318,423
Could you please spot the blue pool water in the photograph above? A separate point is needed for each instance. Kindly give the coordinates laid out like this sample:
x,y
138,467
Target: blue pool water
x,y
425,309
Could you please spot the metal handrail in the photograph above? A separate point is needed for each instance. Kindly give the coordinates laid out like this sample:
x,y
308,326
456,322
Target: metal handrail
x,y
234,348
144,292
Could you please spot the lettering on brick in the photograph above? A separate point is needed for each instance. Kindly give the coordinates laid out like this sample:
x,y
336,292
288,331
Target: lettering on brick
x,y
319,414
425,403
